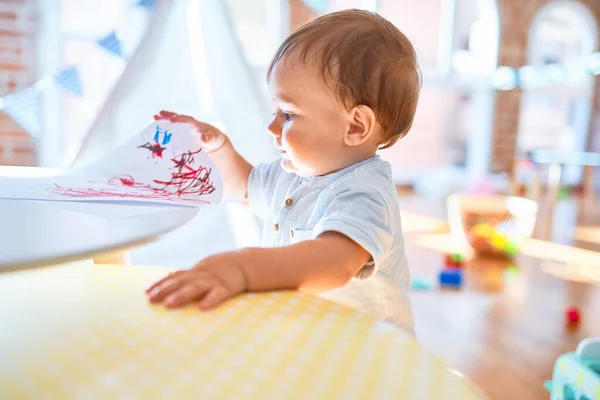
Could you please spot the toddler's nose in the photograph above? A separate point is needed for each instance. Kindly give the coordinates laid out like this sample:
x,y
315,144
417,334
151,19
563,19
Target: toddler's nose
x,y
275,128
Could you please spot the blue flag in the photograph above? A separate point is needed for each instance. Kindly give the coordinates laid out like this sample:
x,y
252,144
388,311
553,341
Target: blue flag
x,y
24,107
112,44
149,4
69,80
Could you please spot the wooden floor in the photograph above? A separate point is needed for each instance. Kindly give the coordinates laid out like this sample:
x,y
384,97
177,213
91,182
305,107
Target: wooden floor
x,y
505,328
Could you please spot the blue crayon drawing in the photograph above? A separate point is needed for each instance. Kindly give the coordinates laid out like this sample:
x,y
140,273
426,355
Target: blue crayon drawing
x,y
166,136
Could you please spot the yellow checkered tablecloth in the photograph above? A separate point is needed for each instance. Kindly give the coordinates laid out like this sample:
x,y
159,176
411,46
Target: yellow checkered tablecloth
x,y
88,332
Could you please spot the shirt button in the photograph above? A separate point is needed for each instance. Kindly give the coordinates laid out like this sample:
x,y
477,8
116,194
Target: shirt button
x,y
276,227
289,202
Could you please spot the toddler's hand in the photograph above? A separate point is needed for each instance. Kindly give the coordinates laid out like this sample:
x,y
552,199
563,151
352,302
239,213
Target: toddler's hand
x,y
209,283
210,137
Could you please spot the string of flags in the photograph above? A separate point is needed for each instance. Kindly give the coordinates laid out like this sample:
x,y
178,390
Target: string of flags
x,y
24,105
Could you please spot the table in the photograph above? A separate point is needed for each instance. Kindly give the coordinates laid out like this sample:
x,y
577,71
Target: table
x,y
89,332
579,158
40,233
555,160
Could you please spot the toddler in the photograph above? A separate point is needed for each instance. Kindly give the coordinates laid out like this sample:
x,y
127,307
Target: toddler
x,y
343,86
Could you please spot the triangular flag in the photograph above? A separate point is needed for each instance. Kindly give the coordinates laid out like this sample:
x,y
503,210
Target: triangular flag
x,y
69,80
149,4
318,6
112,44
23,107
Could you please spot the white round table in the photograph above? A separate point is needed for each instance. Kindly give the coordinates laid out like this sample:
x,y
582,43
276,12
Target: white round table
x,y
39,233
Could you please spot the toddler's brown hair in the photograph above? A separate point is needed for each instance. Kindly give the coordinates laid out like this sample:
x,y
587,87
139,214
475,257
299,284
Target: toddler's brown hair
x,y
365,60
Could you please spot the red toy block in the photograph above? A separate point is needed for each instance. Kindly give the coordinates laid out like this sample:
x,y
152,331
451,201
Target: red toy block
x,y
453,260
573,315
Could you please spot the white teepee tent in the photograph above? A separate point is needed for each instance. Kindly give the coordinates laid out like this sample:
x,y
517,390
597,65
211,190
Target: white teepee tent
x,y
189,62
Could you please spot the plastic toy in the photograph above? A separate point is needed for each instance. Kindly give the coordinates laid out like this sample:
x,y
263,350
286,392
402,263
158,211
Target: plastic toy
x,y
572,315
487,239
451,277
420,284
563,193
576,375
453,260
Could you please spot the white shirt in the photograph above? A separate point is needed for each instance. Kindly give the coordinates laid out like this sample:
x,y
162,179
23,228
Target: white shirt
x,y
360,202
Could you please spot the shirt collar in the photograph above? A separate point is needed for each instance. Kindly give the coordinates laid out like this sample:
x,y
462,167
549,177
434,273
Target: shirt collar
x,y
326,180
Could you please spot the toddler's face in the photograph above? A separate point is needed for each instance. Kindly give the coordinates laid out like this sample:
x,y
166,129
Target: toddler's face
x,y
309,123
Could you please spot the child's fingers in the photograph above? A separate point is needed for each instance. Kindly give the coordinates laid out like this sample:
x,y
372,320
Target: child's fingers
x,y
166,114
203,127
183,118
159,293
200,126
188,293
214,297
174,117
160,282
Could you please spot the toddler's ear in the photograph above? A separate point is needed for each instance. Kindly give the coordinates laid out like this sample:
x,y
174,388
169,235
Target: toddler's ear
x,y
362,125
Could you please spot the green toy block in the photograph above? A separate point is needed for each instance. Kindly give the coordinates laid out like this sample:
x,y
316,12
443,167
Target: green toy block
x,y
563,193
511,249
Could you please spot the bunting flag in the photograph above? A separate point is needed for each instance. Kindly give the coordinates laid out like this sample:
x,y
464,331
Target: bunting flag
x,y
24,106
69,80
148,4
318,6
112,44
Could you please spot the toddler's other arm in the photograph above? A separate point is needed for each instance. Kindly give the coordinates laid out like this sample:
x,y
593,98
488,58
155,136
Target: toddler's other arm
x,y
313,266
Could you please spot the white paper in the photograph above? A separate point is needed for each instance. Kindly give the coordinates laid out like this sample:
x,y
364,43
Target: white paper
x,y
162,164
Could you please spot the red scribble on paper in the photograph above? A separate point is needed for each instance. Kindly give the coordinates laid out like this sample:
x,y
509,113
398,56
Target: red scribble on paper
x,y
187,183
155,148
125,180
186,179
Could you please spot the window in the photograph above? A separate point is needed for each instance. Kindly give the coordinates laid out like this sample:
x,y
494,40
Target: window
x,y
556,102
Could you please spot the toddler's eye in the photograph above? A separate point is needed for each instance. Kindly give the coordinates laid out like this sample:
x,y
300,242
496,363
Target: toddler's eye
x,y
286,116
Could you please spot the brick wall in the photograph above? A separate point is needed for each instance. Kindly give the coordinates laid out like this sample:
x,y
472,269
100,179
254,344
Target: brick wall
x,y
17,70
